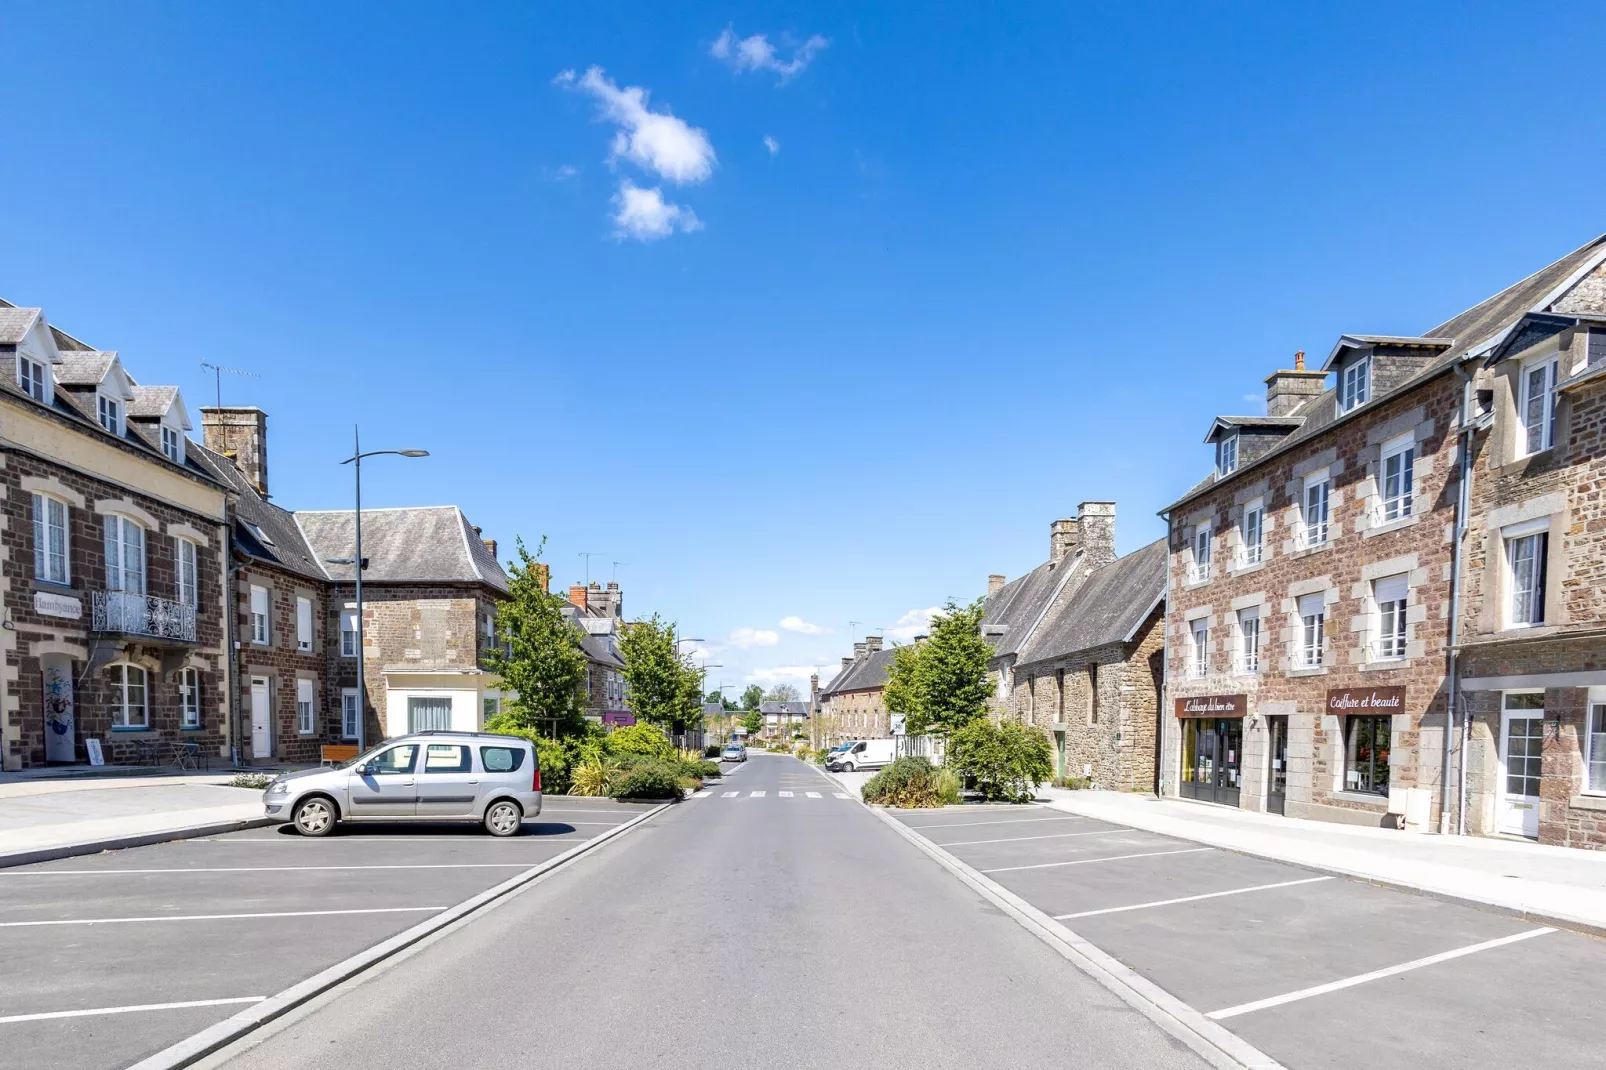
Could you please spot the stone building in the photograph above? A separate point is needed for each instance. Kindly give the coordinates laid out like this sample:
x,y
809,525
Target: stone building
x,y
1311,577
599,613
780,717
114,546
851,706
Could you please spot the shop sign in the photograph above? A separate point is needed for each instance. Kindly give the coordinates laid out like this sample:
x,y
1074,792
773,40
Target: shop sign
x,y
50,604
1213,706
1366,700
618,718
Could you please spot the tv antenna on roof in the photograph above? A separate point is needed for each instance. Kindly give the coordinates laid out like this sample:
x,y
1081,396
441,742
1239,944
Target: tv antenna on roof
x,y
217,371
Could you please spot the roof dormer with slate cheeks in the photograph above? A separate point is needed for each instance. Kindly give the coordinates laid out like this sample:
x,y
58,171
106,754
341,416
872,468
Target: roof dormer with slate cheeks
x,y
1241,440
1368,366
157,415
99,387
28,352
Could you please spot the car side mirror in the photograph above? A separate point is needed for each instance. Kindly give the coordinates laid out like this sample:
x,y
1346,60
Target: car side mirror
x,y
362,770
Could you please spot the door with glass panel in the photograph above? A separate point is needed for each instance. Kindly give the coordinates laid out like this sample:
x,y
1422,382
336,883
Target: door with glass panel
x,y
1522,737
1210,754
1277,775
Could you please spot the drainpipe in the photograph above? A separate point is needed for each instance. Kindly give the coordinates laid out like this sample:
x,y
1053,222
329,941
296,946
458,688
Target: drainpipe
x,y
1452,667
231,613
1165,671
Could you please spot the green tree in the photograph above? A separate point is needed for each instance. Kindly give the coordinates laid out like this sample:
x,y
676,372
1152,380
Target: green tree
x,y
753,722
541,659
752,697
781,693
1005,761
901,693
945,687
665,690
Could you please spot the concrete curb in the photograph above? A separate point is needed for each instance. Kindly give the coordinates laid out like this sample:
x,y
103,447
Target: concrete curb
x,y
117,843
1513,909
1211,1042
189,1051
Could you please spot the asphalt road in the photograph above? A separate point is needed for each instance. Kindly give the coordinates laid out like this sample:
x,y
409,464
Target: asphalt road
x,y
767,923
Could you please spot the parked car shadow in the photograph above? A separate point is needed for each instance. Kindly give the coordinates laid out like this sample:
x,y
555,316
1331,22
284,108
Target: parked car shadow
x,y
529,830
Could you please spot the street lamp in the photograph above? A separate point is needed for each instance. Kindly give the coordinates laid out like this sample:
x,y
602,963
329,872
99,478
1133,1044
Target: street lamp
x,y
356,561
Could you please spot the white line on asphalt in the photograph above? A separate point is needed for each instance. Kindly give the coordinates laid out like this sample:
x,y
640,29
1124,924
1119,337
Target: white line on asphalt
x,y
218,917
701,794
1187,899
1045,836
812,794
729,794
999,821
842,795
1109,858
47,1015
1390,971
757,795
587,810
251,869
784,794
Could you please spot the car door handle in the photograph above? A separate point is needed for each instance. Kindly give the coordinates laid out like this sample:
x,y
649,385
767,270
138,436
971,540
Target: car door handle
x,y
473,781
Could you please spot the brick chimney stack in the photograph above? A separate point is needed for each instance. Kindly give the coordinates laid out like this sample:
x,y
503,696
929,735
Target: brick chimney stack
x,y
577,596
1064,539
858,651
239,433
1097,523
872,644
995,583
847,663
1290,388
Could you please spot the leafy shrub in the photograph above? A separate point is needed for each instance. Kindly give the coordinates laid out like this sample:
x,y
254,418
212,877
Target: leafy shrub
x,y
553,754
592,778
1004,761
711,751
642,739
255,781
949,787
907,782
700,768
648,780
1073,783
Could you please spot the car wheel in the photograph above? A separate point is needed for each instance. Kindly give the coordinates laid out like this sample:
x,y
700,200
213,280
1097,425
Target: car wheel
x,y
848,768
315,816
503,818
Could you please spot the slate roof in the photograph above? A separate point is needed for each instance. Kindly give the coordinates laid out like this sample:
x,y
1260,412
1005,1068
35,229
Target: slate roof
x,y
1472,330
596,649
777,708
865,674
407,545
152,401
15,323
1016,606
262,529
1106,607
84,367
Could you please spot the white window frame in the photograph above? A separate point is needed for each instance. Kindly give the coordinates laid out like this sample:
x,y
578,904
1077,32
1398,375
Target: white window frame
x,y
124,540
303,623
189,698
349,712
1511,539
1312,536
173,444
261,610
1391,619
1312,636
1227,455
1249,639
1199,648
306,707
33,378
1549,367
1355,384
1595,742
49,565
188,575
123,710
1253,551
1399,501
348,636
109,411
1199,571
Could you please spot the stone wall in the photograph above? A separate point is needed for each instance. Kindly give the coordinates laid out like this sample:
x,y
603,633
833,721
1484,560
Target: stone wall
x,y
281,663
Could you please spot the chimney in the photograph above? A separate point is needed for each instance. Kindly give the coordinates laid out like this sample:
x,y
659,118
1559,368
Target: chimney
x,y
1290,388
995,583
543,576
239,433
858,651
872,644
1064,538
1097,523
490,544
847,663
577,596
920,639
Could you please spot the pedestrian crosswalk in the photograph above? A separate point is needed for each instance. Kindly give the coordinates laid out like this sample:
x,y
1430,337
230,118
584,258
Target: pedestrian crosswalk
x,y
708,793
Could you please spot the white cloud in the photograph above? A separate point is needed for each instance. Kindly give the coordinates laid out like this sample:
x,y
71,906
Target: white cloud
x,y
564,173
771,144
747,638
755,53
780,674
653,140
913,623
644,215
802,627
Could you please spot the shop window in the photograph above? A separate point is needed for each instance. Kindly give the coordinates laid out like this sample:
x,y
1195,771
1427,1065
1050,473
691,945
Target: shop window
x,y
1366,754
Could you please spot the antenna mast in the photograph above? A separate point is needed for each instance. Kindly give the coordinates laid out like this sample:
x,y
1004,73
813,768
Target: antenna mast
x,y
217,371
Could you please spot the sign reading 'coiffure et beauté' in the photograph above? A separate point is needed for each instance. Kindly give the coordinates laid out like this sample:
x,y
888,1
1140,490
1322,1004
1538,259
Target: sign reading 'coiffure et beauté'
x,y
1366,700
1213,706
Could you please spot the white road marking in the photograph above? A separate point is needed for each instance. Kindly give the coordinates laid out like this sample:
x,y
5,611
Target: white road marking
x,y
730,794
250,869
219,917
812,794
757,795
1108,858
47,1015
701,794
842,795
1360,979
1044,836
1187,899
784,794
1000,821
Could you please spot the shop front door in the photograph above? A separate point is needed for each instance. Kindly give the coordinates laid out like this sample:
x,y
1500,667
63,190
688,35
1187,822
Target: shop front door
x,y
1277,775
1211,750
1522,737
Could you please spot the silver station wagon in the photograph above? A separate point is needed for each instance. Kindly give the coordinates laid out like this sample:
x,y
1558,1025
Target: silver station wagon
x,y
426,776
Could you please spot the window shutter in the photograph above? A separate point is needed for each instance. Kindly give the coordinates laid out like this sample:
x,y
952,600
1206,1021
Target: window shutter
x,y
304,621
1312,604
1391,589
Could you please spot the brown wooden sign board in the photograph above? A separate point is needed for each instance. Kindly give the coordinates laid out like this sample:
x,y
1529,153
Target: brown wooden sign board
x,y
1213,706
1366,701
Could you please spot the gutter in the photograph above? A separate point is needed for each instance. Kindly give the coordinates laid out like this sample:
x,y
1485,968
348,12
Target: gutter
x,y
231,615
1453,655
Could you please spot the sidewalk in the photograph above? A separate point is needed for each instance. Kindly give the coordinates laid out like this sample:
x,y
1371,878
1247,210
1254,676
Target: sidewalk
x,y
41,819
1558,884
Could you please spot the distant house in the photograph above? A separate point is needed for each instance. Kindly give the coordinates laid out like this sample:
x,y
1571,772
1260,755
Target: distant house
x,y
851,704
598,611
781,715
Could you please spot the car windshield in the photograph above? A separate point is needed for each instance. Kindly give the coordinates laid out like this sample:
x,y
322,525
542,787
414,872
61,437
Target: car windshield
x,y
363,757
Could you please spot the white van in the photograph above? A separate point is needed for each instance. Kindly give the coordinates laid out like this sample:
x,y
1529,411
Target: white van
x,y
863,754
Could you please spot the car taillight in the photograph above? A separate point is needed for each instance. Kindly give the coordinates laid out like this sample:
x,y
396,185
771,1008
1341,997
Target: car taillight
x,y
537,785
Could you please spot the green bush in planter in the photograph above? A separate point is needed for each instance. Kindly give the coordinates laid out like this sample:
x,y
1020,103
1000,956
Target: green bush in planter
x,y
553,754
907,782
711,751
1004,761
648,780
640,739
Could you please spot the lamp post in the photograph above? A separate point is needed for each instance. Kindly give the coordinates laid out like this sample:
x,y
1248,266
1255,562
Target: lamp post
x,y
355,460
699,688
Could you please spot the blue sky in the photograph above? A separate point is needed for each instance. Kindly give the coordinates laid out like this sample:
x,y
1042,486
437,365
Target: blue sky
x,y
986,268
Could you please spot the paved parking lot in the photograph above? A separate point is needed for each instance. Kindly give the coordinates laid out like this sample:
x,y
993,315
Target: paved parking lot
x,y
107,958
1314,970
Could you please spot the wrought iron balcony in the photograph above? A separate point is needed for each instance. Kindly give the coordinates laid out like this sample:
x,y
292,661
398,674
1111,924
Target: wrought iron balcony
x,y
123,613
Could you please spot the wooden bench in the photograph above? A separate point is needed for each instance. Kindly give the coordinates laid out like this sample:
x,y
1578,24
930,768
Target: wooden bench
x,y
335,753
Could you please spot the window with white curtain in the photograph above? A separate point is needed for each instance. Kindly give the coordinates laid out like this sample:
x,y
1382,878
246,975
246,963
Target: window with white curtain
x,y
259,615
1538,405
303,623
125,555
348,713
130,705
50,556
1312,630
1391,594
1526,553
348,633
189,694
188,577
1200,662
1313,516
1399,469
306,722
1249,640
1254,533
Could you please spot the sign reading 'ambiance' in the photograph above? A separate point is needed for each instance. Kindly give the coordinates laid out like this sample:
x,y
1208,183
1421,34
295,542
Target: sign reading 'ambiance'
x,y
1213,706
1366,700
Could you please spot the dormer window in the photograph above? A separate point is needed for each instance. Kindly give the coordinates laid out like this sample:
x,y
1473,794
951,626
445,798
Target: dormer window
x,y
1355,384
1227,456
33,378
110,412
172,444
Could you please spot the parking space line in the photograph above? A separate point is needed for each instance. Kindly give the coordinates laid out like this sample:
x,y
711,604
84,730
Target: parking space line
x,y
250,869
1044,836
756,795
701,794
784,794
812,794
729,794
218,917
999,821
1388,971
1107,858
1187,899
841,795
11,1019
